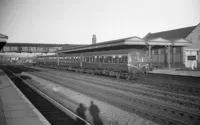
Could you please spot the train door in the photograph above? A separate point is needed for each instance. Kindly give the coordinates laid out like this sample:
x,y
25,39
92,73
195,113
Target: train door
x,y
81,61
132,63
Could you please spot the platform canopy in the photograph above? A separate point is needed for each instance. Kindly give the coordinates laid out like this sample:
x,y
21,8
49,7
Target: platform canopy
x,y
119,43
181,42
159,41
168,42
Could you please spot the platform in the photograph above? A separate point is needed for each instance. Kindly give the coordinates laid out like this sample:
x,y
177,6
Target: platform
x,y
176,72
15,108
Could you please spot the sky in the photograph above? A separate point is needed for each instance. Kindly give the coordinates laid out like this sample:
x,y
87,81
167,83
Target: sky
x,y
75,21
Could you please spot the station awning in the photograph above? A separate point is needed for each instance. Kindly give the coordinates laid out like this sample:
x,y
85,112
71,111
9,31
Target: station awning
x,y
167,42
182,42
113,43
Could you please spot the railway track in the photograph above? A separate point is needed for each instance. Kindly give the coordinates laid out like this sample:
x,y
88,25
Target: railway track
x,y
156,112
182,100
164,83
53,114
167,86
159,113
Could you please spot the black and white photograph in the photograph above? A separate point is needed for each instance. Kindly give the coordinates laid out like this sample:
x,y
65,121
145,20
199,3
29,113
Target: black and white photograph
x,y
99,62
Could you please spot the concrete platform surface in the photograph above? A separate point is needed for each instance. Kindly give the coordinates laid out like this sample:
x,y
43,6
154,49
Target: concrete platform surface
x,y
15,109
175,72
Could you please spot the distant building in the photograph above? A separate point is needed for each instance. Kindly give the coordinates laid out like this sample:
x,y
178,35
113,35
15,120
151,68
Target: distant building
x,y
3,40
94,39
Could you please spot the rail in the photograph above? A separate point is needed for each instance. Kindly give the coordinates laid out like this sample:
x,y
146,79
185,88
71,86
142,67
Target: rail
x,y
51,99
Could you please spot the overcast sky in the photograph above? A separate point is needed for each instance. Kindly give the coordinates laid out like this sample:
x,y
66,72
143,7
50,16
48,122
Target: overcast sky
x,y
75,21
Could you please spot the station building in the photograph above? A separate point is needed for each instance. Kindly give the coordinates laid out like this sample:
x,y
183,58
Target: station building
x,y
185,56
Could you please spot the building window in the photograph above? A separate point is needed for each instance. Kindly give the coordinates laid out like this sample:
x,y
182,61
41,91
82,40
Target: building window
x,y
156,51
177,49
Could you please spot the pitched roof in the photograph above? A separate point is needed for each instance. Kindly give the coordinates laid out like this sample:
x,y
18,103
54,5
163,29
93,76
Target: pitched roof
x,y
134,40
172,34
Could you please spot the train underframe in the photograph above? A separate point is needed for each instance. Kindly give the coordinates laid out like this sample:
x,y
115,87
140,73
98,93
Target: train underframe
x,y
101,71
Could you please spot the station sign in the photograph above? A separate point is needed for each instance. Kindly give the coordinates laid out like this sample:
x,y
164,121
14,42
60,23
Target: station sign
x,y
191,57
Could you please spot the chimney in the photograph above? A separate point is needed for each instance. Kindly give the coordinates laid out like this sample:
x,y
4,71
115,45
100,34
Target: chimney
x,y
94,39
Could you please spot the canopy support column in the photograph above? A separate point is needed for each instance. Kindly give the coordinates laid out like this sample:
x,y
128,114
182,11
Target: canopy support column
x,y
58,60
150,65
169,57
150,52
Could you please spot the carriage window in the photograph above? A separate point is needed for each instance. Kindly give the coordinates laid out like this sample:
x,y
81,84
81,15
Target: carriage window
x,y
95,59
86,59
133,58
91,59
115,59
72,60
69,60
105,60
109,59
119,59
100,59
124,59
75,59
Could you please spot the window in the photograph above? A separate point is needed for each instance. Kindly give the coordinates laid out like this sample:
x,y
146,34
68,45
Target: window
x,y
178,50
91,59
122,59
86,59
115,59
107,59
100,59
95,59
162,51
156,51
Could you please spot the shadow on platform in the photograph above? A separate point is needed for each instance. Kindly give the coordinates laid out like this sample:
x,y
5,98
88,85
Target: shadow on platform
x,y
94,111
81,113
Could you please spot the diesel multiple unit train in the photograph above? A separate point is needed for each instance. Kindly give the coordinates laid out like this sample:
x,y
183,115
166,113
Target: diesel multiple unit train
x,y
126,57
120,63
